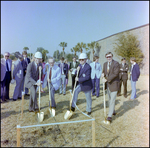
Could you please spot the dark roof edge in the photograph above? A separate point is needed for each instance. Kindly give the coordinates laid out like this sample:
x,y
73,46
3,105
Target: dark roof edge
x,y
123,31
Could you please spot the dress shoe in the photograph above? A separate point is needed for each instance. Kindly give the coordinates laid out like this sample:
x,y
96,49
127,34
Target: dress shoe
x,y
109,119
27,95
64,94
13,99
125,96
89,113
97,96
60,93
31,110
36,109
19,97
118,95
72,108
114,113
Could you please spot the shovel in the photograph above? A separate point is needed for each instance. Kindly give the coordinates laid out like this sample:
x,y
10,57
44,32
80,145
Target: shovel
x,y
51,110
105,121
40,115
69,113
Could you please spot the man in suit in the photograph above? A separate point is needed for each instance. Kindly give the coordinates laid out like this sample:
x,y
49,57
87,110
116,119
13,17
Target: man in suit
x,y
123,76
18,76
95,75
64,73
6,76
110,77
84,83
53,79
135,73
31,80
25,63
73,66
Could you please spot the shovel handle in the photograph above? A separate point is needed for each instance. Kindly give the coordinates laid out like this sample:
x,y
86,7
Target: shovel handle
x,y
39,86
74,89
104,100
48,86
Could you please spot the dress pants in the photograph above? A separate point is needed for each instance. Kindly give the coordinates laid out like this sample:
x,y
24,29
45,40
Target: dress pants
x,y
73,81
52,89
33,98
133,86
18,91
124,85
112,98
88,98
5,85
62,82
97,81
22,87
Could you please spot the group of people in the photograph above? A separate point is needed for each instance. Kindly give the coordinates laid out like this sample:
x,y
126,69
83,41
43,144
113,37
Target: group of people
x,y
86,75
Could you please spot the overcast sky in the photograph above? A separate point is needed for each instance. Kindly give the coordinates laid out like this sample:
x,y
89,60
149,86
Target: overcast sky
x,y
47,23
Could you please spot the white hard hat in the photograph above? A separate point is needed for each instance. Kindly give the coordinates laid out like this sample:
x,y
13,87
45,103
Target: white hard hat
x,y
38,55
82,56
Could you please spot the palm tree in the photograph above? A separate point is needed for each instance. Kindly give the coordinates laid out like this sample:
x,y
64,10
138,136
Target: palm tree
x,y
26,48
80,46
63,44
75,49
93,45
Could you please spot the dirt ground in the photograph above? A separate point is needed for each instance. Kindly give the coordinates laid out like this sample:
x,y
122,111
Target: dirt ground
x,y
129,128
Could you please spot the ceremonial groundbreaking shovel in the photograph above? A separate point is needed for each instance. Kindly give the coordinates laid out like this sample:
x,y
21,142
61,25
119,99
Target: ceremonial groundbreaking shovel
x,y
40,115
69,113
51,110
105,121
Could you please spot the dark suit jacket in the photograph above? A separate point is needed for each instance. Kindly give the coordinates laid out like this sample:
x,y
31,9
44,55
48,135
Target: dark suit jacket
x,y
123,74
135,72
113,75
25,66
65,68
85,78
72,66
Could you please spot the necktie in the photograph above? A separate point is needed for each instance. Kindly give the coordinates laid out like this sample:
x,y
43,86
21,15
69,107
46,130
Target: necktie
x,y
7,65
108,67
62,69
50,73
95,65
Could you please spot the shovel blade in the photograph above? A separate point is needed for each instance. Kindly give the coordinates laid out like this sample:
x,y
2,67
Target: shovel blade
x,y
106,122
40,116
52,112
68,114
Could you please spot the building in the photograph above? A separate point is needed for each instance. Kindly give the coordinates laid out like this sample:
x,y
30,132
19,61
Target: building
x,y
106,44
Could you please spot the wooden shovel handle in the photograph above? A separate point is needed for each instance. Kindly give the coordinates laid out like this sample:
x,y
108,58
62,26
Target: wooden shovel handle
x,y
74,89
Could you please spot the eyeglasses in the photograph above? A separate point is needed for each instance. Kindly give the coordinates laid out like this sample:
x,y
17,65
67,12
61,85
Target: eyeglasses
x,y
81,60
6,56
108,57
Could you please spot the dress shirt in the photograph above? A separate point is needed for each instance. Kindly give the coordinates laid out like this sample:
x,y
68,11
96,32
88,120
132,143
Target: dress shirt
x,y
9,68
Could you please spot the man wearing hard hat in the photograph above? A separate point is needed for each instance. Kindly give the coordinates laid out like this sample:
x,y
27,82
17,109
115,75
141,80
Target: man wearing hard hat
x,y
31,80
84,84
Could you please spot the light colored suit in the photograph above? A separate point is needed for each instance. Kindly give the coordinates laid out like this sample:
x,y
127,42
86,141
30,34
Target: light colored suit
x,y
55,77
95,76
18,75
97,71
55,81
5,78
32,75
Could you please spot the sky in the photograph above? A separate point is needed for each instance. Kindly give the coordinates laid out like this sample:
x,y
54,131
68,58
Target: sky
x,y
45,24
